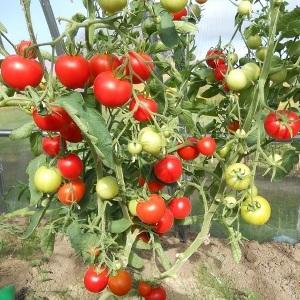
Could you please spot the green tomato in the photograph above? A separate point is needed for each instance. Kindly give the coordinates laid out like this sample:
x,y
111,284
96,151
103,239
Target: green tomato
x,y
233,58
254,41
47,180
150,140
173,6
112,6
107,188
196,10
244,8
252,71
132,207
236,80
230,202
134,148
223,152
238,176
261,53
279,76
256,211
150,26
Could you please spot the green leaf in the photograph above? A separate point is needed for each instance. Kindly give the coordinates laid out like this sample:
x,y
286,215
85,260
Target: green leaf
x,y
167,31
200,107
119,226
211,92
35,196
47,239
289,23
135,261
92,124
188,121
185,27
141,245
36,143
22,132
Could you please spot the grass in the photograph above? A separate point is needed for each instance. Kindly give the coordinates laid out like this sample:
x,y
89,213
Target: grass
x,y
217,288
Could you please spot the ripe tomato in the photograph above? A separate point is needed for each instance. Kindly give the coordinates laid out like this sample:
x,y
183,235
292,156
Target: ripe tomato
x,y
189,152
71,192
96,280
261,53
244,8
144,236
47,180
254,41
251,70
112,6
144,109
220,72
207,146
56,119
70,166
236,80
121,283
179,15
100,63
52,145
144,288
173,6
233,126
157,293
180,207
256,211
72,133
21,49
153,185
169,169
111,91
151,140
165,223
238,176
134,148
73,71
214,58
201,1
139,65
282,124
107,188
18,72
151,210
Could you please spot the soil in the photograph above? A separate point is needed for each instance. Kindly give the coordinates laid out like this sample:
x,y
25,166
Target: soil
x,y
268,271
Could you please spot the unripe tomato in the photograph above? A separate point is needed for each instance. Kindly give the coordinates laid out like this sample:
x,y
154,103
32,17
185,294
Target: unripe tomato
x,y
112,6
21,49
256,211
107,188
134,148
279,76
244,8
144,288
233,58
207,146
132,207
169,169
173,6
70,166
261,53
144,109
236,80
47,180
165,223
96,280
238,176
254,41
180,14
251,70
121,283
180,207
52,145
150,140
71,192
189,152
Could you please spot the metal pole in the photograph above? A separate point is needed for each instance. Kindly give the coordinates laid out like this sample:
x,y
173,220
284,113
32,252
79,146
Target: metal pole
x,y
50,18
5,132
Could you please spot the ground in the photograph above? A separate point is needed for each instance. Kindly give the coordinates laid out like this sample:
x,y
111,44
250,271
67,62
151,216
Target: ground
x,y
268,271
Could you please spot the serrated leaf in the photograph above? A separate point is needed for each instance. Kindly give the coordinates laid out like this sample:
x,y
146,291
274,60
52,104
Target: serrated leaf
x,y
167,31
135,261
119,226
22,132
187,120
92,125
35,196
47,239
211,92
185,27
36,143
200,107
289,23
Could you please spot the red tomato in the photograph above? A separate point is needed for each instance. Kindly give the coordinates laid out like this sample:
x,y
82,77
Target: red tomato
x,y
95,281
180,207
179,15
233,126
165,223
157,293
220,72
282,124
52,145
169,169
71,192
21,49
215,57
56,119
189,152
121,283
144,236
18,72
153,185
151,210
73,71
144,288
207,146
72,133
100,63
70,166
139,65
111,91
144,109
